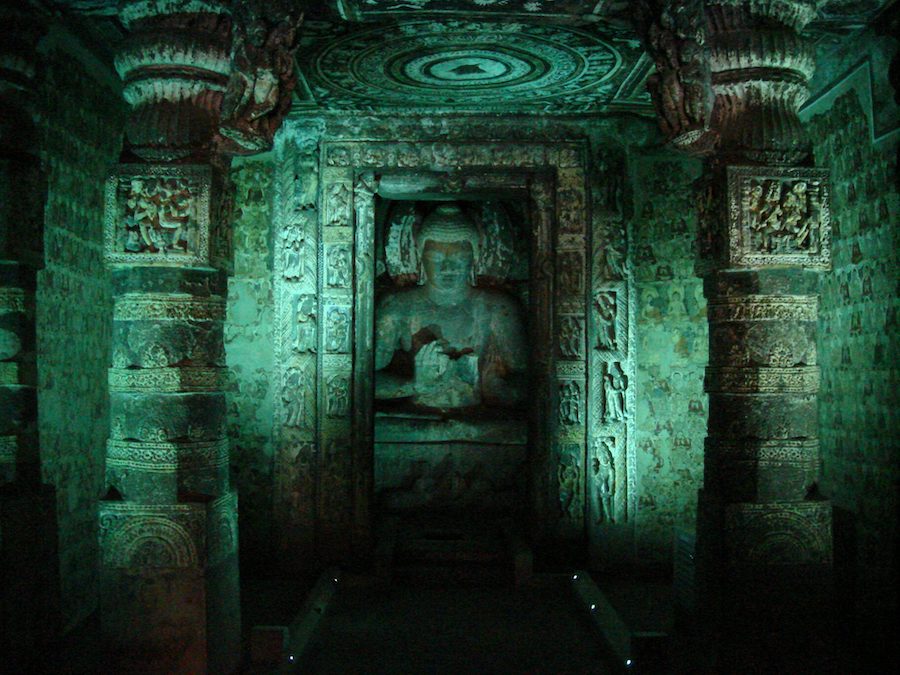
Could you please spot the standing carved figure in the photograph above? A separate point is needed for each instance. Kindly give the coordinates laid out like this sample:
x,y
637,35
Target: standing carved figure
x,y
569,403
293,254
615,382
605,306
604,469
568,477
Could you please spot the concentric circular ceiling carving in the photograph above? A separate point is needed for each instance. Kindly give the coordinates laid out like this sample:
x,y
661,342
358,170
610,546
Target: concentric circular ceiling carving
x,y
466,64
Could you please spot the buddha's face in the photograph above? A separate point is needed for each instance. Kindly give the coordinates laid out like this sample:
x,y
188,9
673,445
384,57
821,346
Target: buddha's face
x,y
448,265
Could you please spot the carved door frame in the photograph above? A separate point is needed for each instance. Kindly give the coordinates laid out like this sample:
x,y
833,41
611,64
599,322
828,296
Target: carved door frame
x,y
569,419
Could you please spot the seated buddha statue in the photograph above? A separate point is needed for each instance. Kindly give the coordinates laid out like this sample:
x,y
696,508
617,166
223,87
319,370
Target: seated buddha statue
x,y
447,344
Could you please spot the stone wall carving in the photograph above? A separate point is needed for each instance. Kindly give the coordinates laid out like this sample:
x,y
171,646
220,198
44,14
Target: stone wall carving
x,y
261,80
615,383
299,343
681,87
603,467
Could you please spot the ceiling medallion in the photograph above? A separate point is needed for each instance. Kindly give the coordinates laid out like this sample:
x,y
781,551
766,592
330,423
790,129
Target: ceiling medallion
x,y
459,64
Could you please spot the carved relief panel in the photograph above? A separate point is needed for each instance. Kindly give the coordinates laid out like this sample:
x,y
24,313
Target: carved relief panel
x,y
778,216
158,215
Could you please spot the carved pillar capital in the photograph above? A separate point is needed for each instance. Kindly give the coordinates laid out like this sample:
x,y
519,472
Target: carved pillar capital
x,y
175,67
206,77
731,76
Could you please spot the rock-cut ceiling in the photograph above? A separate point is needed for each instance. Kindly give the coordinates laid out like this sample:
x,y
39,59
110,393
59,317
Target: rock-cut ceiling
x,y
556,56
458,64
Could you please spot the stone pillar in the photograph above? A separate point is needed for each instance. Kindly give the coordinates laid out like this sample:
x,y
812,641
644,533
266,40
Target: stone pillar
x,y
203,82
731,77
168,527
28,535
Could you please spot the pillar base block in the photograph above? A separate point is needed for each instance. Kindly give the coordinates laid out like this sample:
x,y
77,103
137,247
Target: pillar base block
x,y
170,593
765,583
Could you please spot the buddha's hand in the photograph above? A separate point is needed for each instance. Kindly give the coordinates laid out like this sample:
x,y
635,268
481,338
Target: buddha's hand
x,y
431,363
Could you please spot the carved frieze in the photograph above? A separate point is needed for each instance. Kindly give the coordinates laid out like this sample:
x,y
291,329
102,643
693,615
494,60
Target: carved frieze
x,y
779,216
763,308
164,417
165,306
167,457
802,380
750,470
166,379
158,215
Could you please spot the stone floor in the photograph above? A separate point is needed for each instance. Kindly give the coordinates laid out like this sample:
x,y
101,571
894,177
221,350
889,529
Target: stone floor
x,y
536,629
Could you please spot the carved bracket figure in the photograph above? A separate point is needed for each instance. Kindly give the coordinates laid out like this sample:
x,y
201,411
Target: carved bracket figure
x,y
681,88
258,94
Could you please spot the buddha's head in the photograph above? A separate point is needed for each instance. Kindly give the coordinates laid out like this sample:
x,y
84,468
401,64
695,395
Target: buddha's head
x,y
447,244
